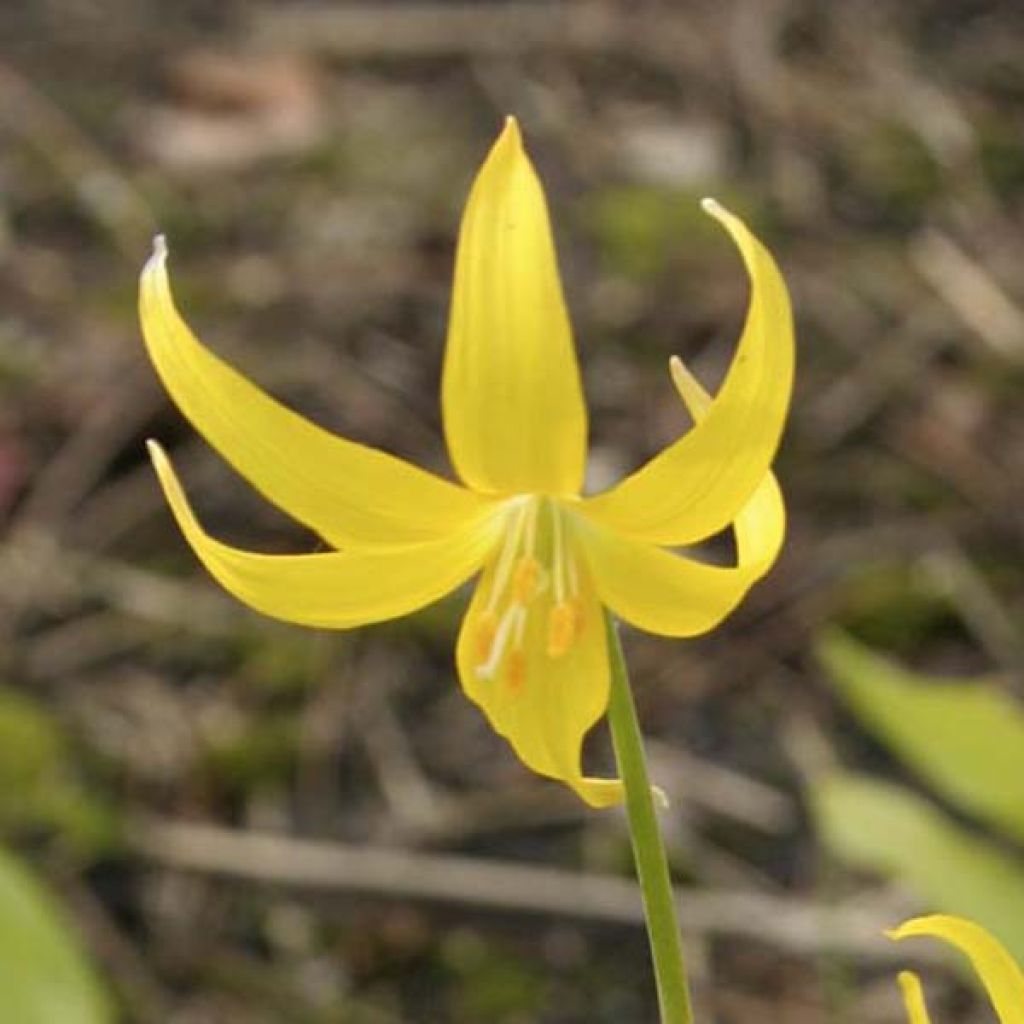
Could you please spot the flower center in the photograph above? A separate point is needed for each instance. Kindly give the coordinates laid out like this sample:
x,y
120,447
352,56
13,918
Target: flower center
x,y
534,595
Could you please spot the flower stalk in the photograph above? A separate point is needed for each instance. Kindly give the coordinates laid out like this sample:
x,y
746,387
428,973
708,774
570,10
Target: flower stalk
x,y
648,848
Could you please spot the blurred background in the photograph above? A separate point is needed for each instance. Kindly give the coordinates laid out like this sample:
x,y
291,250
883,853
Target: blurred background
x,y
225,819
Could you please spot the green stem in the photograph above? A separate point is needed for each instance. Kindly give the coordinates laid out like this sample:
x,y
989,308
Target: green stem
x,y
648,849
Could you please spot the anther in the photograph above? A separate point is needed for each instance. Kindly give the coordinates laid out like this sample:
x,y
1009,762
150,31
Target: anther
x,y
486,631
524,579
562,628
515,670
510,624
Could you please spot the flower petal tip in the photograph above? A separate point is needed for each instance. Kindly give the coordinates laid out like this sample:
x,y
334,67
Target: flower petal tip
x,y
511,134
156,452
158,257
680,374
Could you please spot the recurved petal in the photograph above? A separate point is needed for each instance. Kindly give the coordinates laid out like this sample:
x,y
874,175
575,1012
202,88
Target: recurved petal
x,y
913,998
1000,974
698,484
512,403
542,705
760,525
350,494
335,590
661,592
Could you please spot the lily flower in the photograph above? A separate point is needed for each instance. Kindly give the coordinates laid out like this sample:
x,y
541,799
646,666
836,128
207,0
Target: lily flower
x,y
532,648
1002,977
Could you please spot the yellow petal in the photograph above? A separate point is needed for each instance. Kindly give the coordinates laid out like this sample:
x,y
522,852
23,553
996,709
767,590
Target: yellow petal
x,y
913,998
542,704
513,407
662,592
334,590
697,485
351,495
760,525
1002,977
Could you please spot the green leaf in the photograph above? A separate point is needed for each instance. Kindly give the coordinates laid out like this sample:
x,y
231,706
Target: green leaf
x,y
40,783
964,738
44,976
886,829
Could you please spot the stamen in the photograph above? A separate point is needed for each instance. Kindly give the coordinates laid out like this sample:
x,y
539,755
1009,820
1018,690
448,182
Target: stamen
x,y
515,671
525,578
519,633
574,577
558,553
486,631
530,544
506,559
520,577
509,621
562,628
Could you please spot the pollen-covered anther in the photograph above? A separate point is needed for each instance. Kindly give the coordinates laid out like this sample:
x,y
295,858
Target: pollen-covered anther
x,y
563,628
515,670
525,578
486,631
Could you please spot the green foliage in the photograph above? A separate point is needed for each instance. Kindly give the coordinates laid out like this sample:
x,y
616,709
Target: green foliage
x,y
39,788
262,753
44,975
885,828
640,229
890,604
966,739
892,164
963,738
1002,155
491,984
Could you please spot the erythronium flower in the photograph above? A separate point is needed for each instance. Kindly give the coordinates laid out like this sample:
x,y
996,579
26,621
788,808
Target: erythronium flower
x,y
532,648
1002,977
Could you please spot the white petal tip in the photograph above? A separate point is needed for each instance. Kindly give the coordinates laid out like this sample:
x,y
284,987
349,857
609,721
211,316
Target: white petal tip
x,y
712,206
156,453
157,258
660,798
681,375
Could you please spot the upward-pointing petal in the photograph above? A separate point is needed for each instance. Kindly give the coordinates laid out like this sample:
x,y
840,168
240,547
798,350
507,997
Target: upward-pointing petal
x,y
913,998
666,593
351,495
697,485
760,525
512,403
1002,977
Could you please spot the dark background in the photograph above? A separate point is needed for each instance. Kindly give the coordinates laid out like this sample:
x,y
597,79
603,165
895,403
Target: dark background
x,y
308,164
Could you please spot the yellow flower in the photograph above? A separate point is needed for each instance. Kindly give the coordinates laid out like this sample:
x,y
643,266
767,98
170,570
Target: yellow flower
x,y
1002,978
531,651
